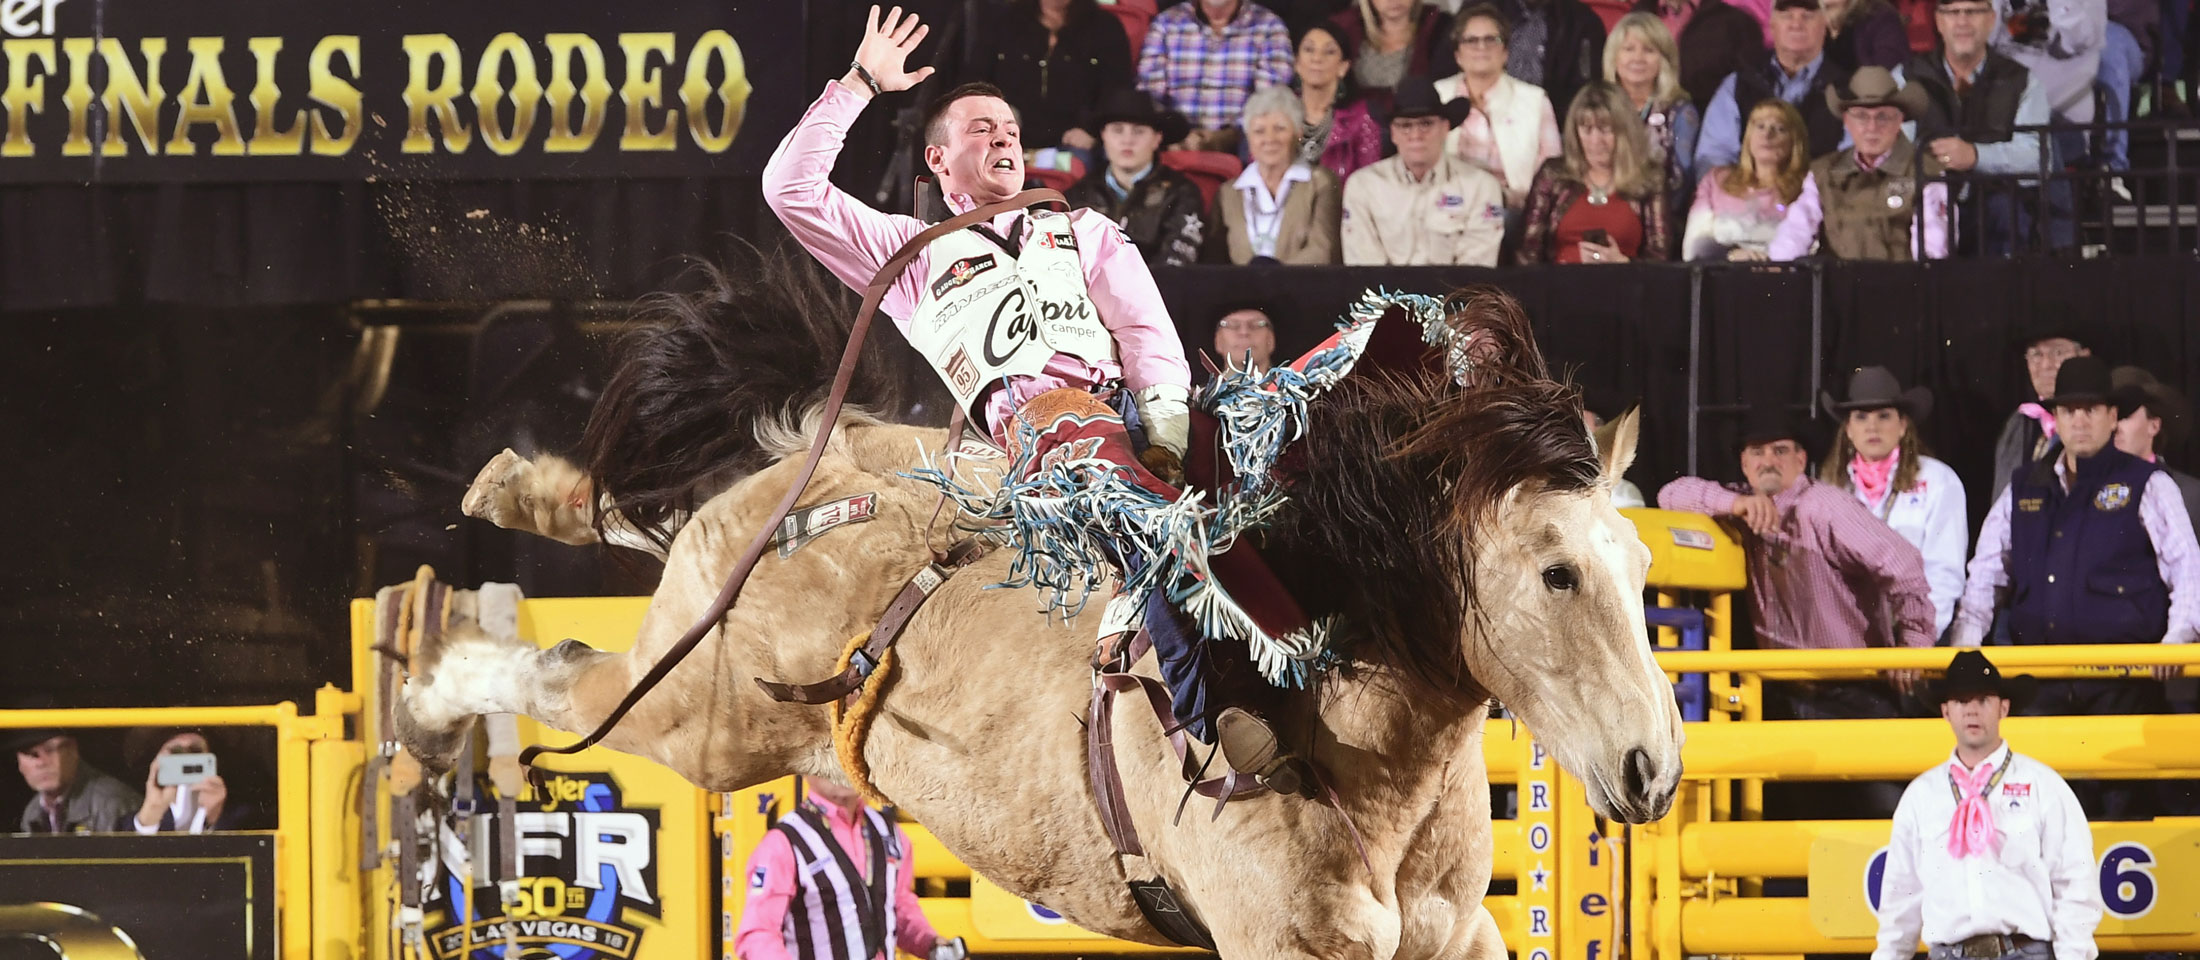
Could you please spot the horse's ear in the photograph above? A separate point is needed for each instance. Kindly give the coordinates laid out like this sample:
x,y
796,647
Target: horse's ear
x,y
1615,442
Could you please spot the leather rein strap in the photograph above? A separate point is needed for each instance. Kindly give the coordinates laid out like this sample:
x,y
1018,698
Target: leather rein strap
x,y
873,295
890,624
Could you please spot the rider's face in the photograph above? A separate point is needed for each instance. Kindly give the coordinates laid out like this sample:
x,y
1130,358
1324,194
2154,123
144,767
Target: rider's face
x,y
981,151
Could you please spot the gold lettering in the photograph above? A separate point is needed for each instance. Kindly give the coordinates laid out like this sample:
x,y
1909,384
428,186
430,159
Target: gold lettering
x,y
695,91
268,140
78,97
206,98
124,93
594,93
645,88
421,100
26,94
333,92
488,90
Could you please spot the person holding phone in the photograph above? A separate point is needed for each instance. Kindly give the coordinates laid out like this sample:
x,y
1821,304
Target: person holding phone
x,y
183,791
1603,199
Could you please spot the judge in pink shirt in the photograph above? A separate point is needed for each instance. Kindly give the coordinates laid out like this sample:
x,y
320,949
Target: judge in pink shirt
x,y
973,146
781,919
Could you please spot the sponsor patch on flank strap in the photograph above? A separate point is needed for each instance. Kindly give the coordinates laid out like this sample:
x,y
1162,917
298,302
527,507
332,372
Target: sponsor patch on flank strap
x,y
806,525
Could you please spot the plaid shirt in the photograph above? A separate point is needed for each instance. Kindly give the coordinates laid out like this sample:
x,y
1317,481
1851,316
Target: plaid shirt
x,y
1208,75
1831,575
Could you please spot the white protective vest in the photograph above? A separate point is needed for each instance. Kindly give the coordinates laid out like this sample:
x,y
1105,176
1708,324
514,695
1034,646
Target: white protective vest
x,y
985,314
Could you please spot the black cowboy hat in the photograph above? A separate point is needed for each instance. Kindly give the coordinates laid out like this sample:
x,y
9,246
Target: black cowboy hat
x,y
1127,105
2133,387
1875,388
1766,423
1877,87
2024,335
1971,673
1415,96
2081,382
24,738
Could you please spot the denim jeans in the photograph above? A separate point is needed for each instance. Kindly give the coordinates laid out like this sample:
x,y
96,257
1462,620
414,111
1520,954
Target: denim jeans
x,y
2121,63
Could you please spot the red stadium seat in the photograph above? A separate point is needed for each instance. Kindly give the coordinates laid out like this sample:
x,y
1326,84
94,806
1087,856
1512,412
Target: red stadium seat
x,y
1208,169
1135,14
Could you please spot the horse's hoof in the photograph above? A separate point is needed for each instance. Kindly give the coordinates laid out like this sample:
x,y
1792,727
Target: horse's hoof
x,y
489,497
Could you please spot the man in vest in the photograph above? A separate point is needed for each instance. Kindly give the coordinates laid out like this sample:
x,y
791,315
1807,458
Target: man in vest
x,y
1045,326
2094,546
833,881
1990,857
1974,100
1862,203
1797,72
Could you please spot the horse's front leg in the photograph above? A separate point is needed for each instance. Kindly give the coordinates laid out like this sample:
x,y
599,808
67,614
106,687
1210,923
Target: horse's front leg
x,y
549,497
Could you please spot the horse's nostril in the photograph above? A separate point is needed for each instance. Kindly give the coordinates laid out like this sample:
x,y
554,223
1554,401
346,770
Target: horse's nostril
x,y
1640,773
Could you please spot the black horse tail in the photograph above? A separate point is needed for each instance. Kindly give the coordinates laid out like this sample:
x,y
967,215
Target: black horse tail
x,y
754,343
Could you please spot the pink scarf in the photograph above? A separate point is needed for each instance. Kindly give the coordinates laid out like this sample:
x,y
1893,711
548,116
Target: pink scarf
x,y
2045,416
1874,477
1972,829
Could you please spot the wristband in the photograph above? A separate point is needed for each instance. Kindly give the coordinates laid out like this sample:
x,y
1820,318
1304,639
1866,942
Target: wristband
x,y
865,76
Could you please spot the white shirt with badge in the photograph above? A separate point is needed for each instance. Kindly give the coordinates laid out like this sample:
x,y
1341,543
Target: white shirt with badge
x,y
1934,518
2040,882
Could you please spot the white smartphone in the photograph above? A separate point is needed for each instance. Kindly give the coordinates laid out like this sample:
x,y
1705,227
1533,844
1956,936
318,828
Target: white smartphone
x,y
182,769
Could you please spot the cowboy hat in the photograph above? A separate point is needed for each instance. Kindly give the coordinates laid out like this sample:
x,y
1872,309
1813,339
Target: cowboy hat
x,y
1875,388
1415,96
2133,387
1876,87
1971,673
1126,105
2080,382
1767,423
24,738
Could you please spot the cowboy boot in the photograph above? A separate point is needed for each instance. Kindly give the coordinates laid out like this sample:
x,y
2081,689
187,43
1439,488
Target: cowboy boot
x,y
1251,747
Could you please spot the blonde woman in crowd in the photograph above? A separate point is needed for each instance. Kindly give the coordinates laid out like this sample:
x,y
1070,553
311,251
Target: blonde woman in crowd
x,y
1281,208
1739,208
1603,200
1640,57
1882,459
1512,129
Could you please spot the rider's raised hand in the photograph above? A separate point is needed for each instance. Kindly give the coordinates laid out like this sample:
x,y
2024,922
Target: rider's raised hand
x,y
884,54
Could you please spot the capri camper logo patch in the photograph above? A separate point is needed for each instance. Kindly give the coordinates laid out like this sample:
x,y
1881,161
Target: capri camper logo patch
x,y
588,866
960,272
2115,496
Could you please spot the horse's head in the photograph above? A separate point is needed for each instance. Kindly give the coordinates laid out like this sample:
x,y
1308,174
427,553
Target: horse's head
x,y
1560,640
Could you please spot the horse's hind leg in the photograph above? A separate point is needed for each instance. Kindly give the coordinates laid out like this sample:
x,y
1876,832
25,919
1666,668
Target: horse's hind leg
x,y
480,665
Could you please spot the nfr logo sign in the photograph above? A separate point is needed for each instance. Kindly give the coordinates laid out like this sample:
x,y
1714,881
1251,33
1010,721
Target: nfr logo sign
x,y
2126,871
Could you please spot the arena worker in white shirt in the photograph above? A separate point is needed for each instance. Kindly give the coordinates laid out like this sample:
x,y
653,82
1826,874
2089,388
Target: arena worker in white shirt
x,y
1991,856
1881,457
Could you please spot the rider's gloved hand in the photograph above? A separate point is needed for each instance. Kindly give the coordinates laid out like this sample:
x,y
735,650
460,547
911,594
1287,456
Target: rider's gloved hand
x,y
1167,412
949,950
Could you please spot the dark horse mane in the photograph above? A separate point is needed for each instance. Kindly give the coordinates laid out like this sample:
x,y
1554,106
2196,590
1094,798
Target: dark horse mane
x,y
753,342
1398,469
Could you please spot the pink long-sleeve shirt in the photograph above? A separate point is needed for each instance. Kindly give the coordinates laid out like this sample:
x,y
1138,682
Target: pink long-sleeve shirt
x,y
1823,576
772,887
2176,558
854,241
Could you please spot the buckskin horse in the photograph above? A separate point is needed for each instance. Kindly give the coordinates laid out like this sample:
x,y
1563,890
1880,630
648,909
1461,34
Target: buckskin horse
x,y
1462,535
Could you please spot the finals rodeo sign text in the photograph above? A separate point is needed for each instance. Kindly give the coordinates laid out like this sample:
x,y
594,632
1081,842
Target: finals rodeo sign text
x,y
143,90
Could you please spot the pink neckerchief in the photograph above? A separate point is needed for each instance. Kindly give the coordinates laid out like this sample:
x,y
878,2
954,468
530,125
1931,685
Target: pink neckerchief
x,y
1873,478
1971,830
2045,417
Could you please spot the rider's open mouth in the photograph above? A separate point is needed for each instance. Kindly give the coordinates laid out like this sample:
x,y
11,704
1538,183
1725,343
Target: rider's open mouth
x,y
1004,163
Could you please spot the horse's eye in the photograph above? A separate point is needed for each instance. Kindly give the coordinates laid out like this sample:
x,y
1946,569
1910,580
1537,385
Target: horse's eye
x,y
1560,577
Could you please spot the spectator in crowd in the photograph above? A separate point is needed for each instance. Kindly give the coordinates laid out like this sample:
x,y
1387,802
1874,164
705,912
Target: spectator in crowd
x,y
2123,62
1203,58
2093,546
1990,855
1158,208
1881,457
1426,205
1571,217
1054,59
71,795
1396,38
802,872
2060,42
1557,45
1340,132
2155,419
1823,572
1280,208
1512,129
201,807
1738,209
2029,433
1864,33
1640,58
1245,337
1971,125
1797,72
1862,202
1715,39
